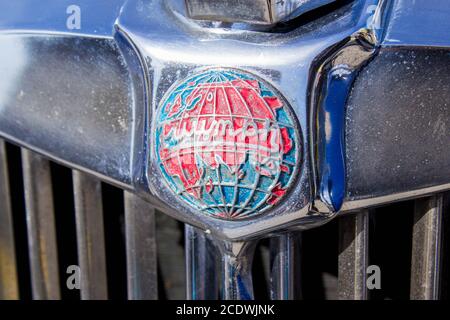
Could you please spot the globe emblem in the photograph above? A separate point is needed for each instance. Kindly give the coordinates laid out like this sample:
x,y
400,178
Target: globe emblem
x,y
227,143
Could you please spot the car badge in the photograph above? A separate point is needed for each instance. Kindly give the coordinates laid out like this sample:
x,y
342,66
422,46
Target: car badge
x,y
227,143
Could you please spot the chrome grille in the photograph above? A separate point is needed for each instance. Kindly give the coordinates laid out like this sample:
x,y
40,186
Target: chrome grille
x,y
52,217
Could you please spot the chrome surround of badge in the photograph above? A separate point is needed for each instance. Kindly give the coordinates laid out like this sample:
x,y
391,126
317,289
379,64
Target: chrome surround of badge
x,y
255,151
287,61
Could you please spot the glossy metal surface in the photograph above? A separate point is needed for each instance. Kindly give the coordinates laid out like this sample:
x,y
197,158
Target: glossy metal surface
x,y
171,51
331,89
141,249
418,23
9,289
284,253
88,98
102,124
41,227
353,256
237,259
90,236
47,17
255,11
202,266
68,98
394,153
426,248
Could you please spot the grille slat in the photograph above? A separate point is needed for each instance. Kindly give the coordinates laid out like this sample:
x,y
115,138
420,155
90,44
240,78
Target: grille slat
x,y
90,236
141,249
282,275
202,266
41,227
237,260
353,256
8,270
426,248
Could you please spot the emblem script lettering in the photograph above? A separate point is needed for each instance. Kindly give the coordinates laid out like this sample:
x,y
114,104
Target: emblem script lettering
x,y
226,143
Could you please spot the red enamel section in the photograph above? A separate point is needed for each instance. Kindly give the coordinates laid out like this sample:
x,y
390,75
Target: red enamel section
x,y
277,194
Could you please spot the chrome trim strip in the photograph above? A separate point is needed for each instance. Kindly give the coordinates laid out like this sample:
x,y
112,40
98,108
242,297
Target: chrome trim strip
x,y
41,226
356,204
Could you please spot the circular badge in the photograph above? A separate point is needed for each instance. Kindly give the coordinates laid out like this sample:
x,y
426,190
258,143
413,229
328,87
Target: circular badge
x,y
227,143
